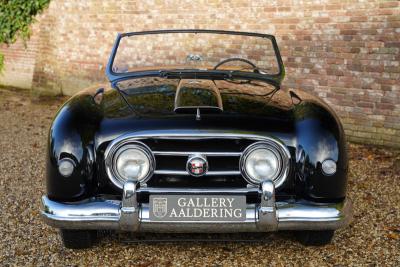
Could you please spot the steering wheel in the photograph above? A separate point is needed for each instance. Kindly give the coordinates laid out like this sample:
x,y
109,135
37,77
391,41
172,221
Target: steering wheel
x,y
255,68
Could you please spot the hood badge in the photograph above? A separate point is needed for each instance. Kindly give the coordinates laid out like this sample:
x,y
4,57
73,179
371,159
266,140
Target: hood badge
x,y
197,165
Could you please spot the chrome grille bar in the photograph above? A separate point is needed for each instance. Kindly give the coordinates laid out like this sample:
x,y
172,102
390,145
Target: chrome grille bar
x,y
172,190
187,153
210,173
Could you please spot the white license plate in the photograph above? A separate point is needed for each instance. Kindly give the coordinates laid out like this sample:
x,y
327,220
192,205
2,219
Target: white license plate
x,y
201,208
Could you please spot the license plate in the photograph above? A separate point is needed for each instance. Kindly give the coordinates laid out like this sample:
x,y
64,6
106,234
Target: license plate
x,y
197,208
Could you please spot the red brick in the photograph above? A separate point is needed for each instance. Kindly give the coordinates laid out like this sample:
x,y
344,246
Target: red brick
x,y
373,68
348,32
385,106
389,4
333,7
392,44
322,20
359,19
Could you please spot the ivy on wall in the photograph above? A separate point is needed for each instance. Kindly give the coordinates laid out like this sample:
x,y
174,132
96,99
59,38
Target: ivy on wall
x,y
15,18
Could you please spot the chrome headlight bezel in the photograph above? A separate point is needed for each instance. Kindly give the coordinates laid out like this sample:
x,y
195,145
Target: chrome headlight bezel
x,y
111,156
280,152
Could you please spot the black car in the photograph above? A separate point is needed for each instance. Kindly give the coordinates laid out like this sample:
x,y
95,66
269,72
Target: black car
x,y
194,134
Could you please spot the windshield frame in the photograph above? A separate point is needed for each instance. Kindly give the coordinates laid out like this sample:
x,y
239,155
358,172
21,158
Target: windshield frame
x,y
274,79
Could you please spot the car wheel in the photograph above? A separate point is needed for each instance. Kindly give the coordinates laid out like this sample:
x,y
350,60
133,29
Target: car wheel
x,y
78,239
315,238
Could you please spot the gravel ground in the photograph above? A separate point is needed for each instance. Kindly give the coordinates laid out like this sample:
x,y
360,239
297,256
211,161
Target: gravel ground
x,y
372,239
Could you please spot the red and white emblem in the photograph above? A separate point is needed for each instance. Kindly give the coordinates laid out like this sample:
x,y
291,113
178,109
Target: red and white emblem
x,y
197,165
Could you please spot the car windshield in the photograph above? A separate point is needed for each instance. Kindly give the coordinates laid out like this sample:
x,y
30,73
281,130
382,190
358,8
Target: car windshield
x,y
195,50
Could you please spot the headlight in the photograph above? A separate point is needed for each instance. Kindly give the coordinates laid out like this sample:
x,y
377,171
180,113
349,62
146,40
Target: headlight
x,y
262,164
265,160
130,161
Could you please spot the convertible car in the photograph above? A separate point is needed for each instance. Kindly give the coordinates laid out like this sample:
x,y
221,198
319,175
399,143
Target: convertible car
x,y
194,134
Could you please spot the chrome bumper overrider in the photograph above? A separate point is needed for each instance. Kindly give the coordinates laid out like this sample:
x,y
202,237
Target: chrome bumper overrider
x,y
129,215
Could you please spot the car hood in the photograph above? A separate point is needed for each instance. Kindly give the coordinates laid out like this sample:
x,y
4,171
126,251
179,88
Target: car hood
x,y
145,105
153,97
251,108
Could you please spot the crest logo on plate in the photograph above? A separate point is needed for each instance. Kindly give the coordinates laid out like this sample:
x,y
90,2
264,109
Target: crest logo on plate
x,y
160,207
197,165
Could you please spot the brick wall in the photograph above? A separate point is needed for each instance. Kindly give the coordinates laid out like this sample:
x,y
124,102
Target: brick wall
x,y
20,62
347,52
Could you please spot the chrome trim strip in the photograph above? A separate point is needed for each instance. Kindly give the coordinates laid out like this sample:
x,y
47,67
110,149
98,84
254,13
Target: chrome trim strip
x,y
222,173
208,154
170,172
210,173
190,135
191,191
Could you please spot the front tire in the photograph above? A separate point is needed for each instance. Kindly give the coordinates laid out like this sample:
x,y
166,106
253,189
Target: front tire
x,y
315,238
78,239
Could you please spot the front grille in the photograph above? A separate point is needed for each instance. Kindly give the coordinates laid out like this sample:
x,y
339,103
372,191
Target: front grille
x,y
222,156
174,163
172,150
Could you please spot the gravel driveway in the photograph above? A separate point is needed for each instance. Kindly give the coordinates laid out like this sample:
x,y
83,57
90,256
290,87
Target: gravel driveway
x,y
372,239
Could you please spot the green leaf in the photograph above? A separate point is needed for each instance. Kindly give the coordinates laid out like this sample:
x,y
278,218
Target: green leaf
x,y
15,18
1,62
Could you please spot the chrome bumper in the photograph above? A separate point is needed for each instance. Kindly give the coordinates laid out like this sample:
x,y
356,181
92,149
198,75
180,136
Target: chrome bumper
x,y
129,215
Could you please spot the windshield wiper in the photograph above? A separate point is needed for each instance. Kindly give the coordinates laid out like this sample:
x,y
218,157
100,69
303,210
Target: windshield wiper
x,y
194,74
216,75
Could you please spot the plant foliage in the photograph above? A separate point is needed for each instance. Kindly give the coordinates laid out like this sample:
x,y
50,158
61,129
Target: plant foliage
x,y
15,18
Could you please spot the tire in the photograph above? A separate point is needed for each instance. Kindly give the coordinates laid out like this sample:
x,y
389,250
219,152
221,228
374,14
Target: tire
x,y
78,239
315,238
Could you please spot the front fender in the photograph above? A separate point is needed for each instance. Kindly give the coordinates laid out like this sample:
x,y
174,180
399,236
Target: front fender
x,y
71,136
320,136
